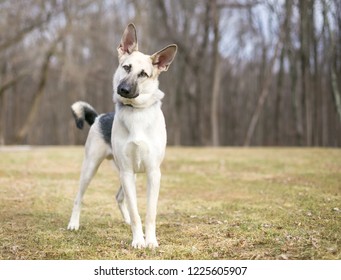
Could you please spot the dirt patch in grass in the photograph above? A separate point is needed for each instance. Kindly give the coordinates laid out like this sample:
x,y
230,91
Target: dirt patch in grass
x,y
224,203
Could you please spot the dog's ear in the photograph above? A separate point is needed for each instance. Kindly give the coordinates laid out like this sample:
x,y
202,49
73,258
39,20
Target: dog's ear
x,y
162,59
129,41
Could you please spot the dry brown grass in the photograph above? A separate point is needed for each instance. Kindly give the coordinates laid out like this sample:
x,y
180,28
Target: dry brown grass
x,y
226,203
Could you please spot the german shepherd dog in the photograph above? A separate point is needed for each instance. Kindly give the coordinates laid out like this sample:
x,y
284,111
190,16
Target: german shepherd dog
x,y
134,136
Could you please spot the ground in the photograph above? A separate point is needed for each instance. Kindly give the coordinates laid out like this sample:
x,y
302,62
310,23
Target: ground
x,y
223,203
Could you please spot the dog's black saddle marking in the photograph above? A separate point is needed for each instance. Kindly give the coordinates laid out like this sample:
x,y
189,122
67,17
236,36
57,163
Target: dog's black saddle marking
x,y
106,121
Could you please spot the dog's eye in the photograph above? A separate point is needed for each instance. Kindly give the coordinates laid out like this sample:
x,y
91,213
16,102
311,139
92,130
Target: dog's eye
x,y
127,68
143,74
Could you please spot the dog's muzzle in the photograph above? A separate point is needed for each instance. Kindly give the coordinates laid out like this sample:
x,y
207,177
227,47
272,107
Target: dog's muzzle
x,y
127,90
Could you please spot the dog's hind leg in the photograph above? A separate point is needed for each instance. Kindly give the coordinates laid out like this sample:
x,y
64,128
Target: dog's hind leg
x,y
89,169
123,205
95,153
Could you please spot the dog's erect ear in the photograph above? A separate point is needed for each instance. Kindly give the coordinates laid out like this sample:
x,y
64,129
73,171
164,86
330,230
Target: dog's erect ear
x,y
129,41
162,59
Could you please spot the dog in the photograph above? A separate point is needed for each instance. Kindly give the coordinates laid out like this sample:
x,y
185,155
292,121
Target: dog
x,y
134,136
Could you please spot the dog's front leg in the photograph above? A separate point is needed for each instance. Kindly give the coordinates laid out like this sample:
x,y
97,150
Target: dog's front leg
x,y
128,184
153,188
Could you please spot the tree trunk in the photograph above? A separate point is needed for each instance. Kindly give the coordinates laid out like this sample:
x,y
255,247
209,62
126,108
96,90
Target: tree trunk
x,y
305,8
216,77
332,50
23,131
278,101
36,100
264,94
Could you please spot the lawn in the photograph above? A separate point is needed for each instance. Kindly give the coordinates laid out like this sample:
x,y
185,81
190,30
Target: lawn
x,y
224,203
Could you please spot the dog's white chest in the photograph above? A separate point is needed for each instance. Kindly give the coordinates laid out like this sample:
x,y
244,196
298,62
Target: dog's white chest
x,y
138,139
137,152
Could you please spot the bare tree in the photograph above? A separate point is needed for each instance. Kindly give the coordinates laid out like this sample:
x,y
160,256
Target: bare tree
x,y
37,97
264,94
332,51
216,76
237,79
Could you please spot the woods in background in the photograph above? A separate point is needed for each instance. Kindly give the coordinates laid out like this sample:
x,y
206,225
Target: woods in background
x,y
247,72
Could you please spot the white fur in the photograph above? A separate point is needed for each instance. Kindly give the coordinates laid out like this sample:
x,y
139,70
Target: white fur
x,y
138,138
96,150
139,144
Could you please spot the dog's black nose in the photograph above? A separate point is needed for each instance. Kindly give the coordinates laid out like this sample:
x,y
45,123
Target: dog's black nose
x,y
123,89
127,90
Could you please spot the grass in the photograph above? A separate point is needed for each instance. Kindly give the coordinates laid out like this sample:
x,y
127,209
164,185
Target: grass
x,y
224,203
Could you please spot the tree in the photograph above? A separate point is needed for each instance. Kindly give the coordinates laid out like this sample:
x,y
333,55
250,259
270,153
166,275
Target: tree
x,y
237,79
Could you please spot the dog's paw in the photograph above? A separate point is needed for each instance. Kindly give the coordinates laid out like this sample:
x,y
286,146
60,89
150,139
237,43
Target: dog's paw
x,y
127,221
152,244
73,226
138,243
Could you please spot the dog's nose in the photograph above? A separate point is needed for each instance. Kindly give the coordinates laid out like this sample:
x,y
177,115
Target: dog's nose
x,y
123,89
127,90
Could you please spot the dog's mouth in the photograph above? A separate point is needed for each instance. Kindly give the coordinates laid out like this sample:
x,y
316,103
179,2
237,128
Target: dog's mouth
x,y
129,96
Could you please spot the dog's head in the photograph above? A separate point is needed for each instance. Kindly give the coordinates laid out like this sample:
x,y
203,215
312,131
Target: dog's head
x,y
136,79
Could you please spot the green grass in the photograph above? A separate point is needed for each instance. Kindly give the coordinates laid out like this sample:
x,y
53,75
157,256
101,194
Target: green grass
x,y
224,203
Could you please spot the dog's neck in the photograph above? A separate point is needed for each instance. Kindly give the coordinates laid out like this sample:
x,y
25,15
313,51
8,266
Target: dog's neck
x,y
154,99
121,105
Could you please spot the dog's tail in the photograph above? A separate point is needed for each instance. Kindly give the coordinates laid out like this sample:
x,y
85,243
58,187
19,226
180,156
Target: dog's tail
x,y
83,111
